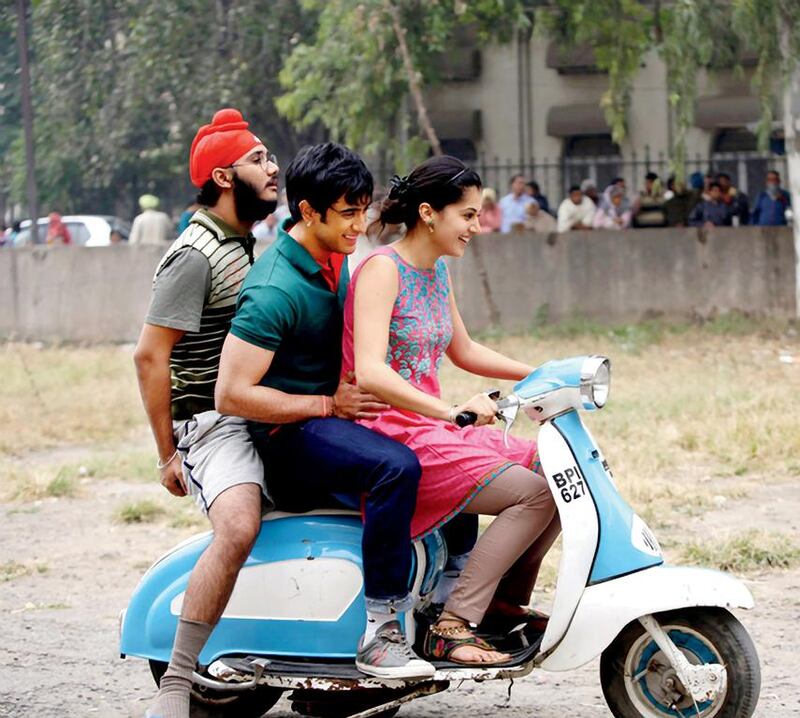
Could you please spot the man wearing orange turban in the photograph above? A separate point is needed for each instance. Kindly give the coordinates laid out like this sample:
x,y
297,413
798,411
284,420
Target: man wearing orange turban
x,y
201,452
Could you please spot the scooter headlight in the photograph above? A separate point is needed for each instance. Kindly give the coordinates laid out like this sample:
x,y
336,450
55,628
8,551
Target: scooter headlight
x,y
595,382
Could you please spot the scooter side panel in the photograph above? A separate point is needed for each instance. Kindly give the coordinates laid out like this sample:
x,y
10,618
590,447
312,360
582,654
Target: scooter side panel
x,y
266,615
620,549
606,608
579,530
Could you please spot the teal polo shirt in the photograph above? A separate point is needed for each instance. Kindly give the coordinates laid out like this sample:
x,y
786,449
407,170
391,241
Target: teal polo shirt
x,y
286,306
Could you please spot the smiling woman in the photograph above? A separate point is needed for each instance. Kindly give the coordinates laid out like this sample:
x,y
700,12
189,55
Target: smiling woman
x,y
401,319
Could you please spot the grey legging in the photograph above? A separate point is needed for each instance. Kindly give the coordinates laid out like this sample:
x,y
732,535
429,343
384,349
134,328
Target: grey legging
x,y
506,558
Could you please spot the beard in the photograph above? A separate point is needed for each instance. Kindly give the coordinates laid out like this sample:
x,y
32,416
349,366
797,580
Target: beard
x,y
250,208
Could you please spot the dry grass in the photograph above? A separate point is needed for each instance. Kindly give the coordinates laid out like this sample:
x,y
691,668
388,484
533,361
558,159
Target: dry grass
x,y
751,551
53,396
691,409
697,415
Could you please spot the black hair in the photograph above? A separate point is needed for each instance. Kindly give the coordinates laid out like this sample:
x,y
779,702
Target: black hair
x,y
671,182
534,185
720,175
514,178
439,181
575,188
616,180
715,184
321,174
774,172
209,194
652,176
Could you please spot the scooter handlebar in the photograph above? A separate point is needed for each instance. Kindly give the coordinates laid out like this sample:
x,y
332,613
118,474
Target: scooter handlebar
x,y
466,418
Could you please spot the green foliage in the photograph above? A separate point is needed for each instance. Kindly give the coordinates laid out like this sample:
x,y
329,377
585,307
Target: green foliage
x,y
121,87
350,76
619,32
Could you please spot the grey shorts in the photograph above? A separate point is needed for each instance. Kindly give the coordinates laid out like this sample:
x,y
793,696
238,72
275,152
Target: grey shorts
x,y
217,453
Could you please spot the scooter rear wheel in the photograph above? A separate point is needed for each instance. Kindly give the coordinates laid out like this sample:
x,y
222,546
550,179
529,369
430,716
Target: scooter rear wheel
x,y
638,681
219,704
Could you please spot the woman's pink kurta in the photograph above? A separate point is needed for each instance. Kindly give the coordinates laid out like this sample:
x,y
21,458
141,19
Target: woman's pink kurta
x,y
456,463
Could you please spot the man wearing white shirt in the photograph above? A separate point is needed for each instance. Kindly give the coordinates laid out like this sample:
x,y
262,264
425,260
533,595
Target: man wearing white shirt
x,y
576,211
514,205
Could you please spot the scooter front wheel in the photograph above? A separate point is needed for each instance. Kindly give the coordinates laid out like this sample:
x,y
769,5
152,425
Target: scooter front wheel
x,y
250,704
639,682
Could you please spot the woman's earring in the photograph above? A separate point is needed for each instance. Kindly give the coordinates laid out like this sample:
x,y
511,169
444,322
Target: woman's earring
x,y
430,226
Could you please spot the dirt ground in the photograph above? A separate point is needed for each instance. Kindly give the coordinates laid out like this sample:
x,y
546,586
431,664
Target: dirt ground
x,y
59,621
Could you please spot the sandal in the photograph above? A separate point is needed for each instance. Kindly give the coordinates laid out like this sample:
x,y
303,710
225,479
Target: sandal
x,y
441,642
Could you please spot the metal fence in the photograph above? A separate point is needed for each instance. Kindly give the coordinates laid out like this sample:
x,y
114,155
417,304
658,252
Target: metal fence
x,y
747,170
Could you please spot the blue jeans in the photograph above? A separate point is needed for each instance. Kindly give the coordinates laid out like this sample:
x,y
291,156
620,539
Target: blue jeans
x,y
307,462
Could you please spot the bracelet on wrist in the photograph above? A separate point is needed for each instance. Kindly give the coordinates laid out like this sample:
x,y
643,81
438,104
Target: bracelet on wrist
x,y
452,415
163,464
327,405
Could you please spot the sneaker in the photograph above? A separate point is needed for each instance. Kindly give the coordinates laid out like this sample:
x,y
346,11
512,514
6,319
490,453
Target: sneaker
x,y
388,655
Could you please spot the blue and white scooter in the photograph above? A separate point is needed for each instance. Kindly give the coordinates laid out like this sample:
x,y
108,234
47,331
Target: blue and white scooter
x,y
668,643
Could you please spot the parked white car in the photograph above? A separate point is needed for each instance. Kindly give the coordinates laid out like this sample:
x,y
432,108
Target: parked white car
x,y
86,230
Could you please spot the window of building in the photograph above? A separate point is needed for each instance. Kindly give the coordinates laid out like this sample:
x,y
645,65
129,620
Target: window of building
x,y
596,157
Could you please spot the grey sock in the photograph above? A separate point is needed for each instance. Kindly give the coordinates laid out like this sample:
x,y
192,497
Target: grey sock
x,y
172,699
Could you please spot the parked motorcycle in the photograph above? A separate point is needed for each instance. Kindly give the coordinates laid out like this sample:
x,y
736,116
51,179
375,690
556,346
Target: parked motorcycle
x,y
668,642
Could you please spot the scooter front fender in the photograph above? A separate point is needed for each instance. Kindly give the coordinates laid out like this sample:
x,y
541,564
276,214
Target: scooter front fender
x,y
606,608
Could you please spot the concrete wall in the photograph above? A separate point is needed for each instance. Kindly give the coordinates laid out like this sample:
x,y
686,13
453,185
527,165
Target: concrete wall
x,y
629,275
102,294
75,293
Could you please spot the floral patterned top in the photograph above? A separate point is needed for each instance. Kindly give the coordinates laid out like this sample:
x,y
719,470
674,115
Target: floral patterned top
x,y
421,327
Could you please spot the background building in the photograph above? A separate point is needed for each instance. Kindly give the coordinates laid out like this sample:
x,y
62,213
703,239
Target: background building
x,y
529,106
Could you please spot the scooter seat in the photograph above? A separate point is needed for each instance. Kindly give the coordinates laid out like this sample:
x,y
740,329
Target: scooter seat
x,y
278,514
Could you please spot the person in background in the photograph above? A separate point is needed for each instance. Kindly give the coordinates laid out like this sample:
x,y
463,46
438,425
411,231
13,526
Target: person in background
x,y
589,189
186,215
772,203
514,203
712,212
491,214
532,188
539,220
576,211
266,231
736,200
613,216
57,232
679,204
151,226
648,209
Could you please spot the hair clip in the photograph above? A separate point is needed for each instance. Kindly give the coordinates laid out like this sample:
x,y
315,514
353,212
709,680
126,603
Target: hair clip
x,y
400,187
456,176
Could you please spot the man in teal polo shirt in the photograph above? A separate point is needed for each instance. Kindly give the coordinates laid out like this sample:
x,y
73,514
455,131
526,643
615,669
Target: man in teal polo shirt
x,y
280,368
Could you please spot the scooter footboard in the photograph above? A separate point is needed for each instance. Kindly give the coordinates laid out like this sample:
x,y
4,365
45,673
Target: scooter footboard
x,y
606,608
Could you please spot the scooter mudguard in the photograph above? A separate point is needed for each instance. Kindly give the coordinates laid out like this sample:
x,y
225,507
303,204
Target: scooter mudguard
x,y
300,593
606,608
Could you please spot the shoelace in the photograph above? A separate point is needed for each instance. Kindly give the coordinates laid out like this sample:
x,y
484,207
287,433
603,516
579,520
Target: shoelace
x,y
400,647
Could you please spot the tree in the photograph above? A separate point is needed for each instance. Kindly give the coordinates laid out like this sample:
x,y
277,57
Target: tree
x,y
366,59
27,115
120,88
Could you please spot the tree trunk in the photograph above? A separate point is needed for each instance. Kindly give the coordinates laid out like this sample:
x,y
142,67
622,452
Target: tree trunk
x,y
27,117
791,129
413,79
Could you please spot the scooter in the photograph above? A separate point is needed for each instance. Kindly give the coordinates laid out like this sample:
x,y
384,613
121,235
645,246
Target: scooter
x,y
669,644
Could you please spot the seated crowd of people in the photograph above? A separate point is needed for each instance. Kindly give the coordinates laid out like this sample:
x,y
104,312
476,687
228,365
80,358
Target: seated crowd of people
x,y
709,200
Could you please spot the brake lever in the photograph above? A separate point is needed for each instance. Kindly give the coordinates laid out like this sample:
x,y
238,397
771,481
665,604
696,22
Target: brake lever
x,y
508,410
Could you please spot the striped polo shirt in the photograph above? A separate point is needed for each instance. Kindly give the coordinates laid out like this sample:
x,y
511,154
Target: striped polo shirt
x,y
194,362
